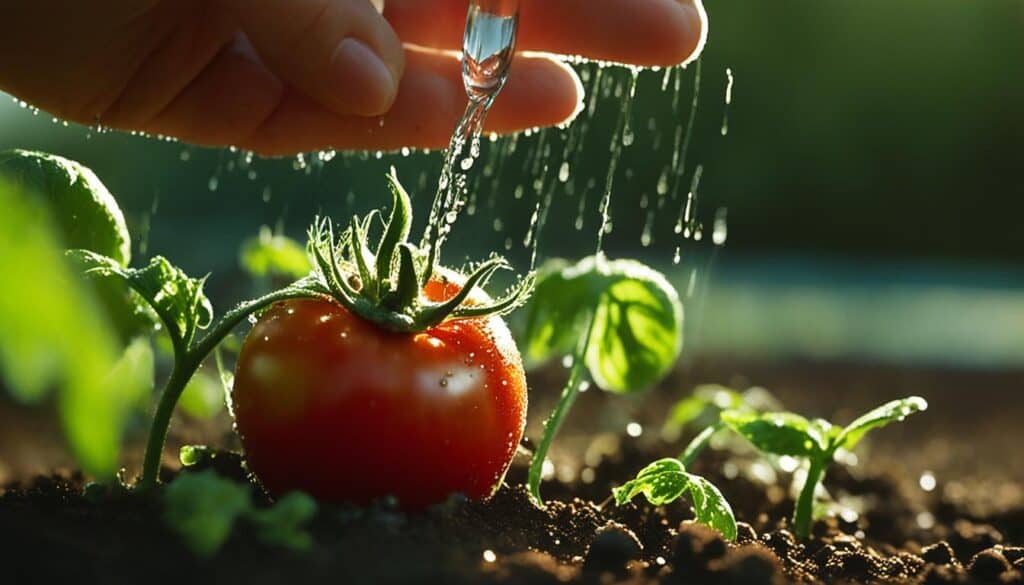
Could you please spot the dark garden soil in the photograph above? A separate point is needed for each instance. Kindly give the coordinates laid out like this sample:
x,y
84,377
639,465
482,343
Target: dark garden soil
x,y
964,530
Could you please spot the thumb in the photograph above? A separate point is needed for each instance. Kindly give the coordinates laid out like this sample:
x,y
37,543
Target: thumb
x,y
342,53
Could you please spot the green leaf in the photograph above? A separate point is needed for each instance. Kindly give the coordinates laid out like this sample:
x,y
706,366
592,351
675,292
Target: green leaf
x,y
283,524
553,315
202,508
178,299
781,433
637,320
274,254
86,214
203,397
711,508
666,480
705,398
55,337
894,411
133,372
660,482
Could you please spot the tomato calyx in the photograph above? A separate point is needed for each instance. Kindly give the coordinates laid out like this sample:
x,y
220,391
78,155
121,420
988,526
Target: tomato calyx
x,y
385,285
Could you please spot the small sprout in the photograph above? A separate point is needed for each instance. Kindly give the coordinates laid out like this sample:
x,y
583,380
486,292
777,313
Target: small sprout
x,y
621,321
667,480
705,406
283,524
816,441
702,407
202,508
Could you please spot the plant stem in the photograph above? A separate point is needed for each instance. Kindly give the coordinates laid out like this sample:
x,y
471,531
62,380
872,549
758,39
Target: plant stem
x,y
554,422
804,512
186,362
180,375
699,443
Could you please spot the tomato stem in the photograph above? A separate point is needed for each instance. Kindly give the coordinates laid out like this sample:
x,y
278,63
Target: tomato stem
x,y
554,422
161,422
187,360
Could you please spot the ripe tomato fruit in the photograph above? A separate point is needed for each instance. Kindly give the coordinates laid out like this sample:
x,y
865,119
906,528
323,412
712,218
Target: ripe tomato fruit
x,y
330,403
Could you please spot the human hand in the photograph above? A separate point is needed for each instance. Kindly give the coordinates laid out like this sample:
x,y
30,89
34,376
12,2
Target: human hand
x,y
285,76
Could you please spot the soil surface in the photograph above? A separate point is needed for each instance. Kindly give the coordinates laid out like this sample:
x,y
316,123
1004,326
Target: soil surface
x,y
934,500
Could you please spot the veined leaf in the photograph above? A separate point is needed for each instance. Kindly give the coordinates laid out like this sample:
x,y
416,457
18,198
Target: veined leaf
x,y
781,433
666,480
554,313
177,298
636,318
86,214
889,412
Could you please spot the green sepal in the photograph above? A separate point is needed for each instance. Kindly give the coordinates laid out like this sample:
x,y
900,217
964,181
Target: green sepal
x,y
389,291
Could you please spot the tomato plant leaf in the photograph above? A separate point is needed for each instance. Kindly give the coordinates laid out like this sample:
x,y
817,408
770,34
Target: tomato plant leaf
x,y
666,480
202,508
274,254
894,411
84,211
177,298
552,316
637,328
637,320
284,523
781,433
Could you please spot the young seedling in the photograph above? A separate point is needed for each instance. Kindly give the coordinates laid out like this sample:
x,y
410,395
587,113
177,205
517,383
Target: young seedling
x,y
667,480
816,441
618,320
203,507
704,408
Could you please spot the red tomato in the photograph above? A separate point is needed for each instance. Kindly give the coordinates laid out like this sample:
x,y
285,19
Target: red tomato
x,y
328,403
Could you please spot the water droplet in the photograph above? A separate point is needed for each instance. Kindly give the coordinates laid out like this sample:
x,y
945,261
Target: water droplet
x,y
720,232
927,481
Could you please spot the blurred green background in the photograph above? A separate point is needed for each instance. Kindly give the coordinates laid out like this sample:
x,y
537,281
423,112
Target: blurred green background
x,y
871,174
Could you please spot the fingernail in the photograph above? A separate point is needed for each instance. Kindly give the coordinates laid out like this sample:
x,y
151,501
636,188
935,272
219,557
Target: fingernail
x,y
365,84
699,20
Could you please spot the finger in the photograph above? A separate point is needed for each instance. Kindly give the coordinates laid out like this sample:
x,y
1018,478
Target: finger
x,y
639,32
540,92
237,102
342,53
225,103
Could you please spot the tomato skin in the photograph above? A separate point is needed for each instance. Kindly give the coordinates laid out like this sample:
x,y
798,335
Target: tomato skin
x,y
329,403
